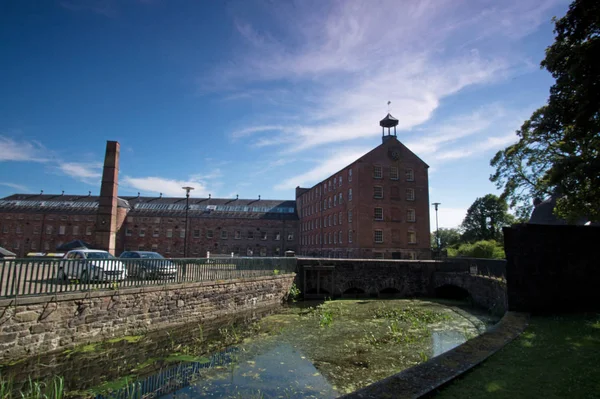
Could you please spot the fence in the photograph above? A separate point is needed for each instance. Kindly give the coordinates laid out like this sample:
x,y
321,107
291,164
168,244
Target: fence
x,y
30,277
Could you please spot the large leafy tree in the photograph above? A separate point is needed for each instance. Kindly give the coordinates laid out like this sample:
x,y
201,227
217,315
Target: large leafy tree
x,y
447,238
485,219
558,151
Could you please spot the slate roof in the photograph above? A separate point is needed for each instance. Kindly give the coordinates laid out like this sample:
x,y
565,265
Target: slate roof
x,y
155,206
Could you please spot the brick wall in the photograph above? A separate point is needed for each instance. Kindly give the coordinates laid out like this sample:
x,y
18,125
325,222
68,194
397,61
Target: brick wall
x,y
31,326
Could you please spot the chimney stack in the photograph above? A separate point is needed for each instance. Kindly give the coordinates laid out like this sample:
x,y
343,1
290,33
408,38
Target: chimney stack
x,y
106,216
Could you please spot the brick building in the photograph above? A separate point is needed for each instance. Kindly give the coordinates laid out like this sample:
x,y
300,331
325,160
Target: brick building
x,y
41,223
376,207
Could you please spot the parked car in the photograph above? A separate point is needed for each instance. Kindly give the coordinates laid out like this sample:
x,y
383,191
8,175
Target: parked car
x,y
148,265
91,265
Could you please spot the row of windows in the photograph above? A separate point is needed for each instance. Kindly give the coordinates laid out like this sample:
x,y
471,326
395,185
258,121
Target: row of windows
x,y
327,203
224,235
409,173
328,186
378,193
410,214
196,250
75,218
336,219
62,230
336,238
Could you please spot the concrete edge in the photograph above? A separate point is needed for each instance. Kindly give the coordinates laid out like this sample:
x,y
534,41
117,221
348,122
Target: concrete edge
x,y
107,292
421,380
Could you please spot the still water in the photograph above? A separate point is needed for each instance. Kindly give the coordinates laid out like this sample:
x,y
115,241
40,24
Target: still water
x,y
307,350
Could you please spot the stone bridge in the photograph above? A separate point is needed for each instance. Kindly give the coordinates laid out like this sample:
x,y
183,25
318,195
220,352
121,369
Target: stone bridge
x,y
480,280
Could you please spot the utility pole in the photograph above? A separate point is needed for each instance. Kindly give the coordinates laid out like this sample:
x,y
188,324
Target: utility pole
x,y
437,228
187,207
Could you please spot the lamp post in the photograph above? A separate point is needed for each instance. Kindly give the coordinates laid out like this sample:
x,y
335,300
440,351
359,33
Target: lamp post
x,y
437,228
187,207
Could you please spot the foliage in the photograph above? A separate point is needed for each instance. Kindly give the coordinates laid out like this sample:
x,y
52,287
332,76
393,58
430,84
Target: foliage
x,y
489,249
326,318
558,151
448,238
294,293
556,357
33,389
411,314
485,219
276,272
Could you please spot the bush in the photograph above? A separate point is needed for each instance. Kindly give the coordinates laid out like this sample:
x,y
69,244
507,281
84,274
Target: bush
x,y
481,249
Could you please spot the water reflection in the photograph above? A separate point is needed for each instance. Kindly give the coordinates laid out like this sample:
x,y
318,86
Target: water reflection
x,y
443,341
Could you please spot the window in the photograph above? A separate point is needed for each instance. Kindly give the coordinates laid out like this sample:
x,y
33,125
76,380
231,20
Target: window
x,y
36,229
5,229
168,249
33,245
155,233
349,215
350,236
410,215
250,235
263,235
377,192
334,238
209,234
88,231
341,181
410,194
377,172
329,202
141,247
394,173
329,185
334,183
349,194
377,255
329,238
325,203
335,200
238,235
329,220
290,236
410,174
155,247
263,251
378,236
324,221
61,230
196,233
157,220
182,233
340,218
412,237
169,233
18,230
335,219
224,235
349,175
412,255
142,232
378,213
75,230
277,236
340,236
127,232
49,229
277,251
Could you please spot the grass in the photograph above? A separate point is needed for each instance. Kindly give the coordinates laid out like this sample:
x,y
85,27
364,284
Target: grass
x,y
556,357
33,389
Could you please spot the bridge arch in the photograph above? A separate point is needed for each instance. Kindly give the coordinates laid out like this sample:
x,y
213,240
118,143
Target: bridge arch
x,y
354,289
391,288
452,291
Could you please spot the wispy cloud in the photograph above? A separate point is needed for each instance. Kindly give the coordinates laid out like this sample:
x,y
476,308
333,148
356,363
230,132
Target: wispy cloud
x,y
87,172
334,161
166,186
18,187
342,61
22,150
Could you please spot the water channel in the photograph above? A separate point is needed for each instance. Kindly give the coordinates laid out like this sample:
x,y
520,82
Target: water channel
x,y
305,350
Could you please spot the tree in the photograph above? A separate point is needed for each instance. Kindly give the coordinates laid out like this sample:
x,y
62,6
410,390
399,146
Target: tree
x,y
481,249
485,219
558,151
448,238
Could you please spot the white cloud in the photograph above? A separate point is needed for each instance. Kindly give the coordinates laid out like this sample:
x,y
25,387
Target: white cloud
x,y
335,161
13,150
342,62
168,187
18,187
86,172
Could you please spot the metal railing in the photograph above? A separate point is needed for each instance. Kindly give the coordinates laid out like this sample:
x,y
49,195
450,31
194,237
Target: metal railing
x,y
30,277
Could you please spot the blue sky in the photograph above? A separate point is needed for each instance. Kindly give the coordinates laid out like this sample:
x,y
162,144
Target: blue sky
x,y
258,97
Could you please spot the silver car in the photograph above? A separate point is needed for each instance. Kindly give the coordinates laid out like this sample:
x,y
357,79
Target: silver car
x,y
90,265
148,265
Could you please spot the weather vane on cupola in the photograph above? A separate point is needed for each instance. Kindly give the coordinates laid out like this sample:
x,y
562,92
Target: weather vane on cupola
x,y
388,122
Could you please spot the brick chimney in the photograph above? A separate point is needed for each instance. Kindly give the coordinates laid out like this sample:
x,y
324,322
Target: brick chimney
x,y
106,217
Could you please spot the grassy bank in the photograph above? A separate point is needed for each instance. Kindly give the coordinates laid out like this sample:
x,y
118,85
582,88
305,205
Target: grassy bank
x,y
556,357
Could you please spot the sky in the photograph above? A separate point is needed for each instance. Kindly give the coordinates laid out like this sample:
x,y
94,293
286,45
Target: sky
x,y
255,98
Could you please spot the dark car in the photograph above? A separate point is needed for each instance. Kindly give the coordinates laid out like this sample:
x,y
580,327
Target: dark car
x,y
148,265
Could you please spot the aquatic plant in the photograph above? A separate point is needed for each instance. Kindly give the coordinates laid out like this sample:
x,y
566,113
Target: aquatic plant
x,y
33,389
412,315
294,293
326,318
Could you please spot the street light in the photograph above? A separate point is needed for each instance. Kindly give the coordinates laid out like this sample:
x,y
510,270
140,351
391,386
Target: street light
x,y
437,228
187,207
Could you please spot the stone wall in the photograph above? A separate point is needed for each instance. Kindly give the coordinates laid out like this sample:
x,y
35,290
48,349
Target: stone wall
x,y
552,268
37,325
485,292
